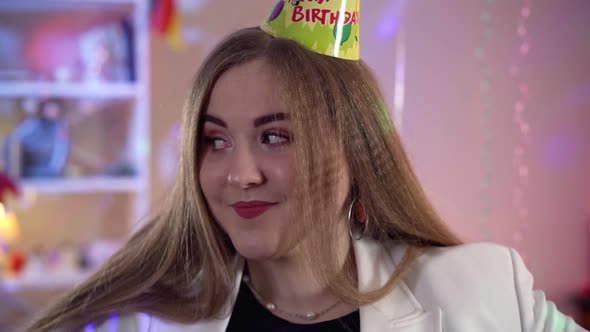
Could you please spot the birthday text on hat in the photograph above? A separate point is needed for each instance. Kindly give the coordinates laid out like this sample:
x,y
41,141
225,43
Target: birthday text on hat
x,y
324,16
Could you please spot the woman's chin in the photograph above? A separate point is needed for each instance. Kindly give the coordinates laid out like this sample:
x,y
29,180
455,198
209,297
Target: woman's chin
x,y
256,251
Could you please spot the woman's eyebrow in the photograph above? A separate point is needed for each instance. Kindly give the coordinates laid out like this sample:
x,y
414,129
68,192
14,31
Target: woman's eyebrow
x,y
262,120
259,121
215,120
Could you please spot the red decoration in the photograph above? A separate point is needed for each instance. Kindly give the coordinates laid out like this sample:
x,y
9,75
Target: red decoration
x,y
165,21
163,13
17,262
7,185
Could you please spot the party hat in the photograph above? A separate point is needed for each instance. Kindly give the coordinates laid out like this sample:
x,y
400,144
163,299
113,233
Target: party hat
x,y
329,27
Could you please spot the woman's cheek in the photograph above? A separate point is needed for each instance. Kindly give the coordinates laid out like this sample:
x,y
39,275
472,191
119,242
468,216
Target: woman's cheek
x,y
282,169
211,178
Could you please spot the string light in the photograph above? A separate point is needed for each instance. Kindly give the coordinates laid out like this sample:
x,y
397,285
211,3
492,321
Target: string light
x,y
523,128
487,106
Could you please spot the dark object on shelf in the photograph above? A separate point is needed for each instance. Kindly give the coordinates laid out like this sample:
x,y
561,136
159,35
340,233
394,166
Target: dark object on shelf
x,y
121,169
127,27
84,259
40,145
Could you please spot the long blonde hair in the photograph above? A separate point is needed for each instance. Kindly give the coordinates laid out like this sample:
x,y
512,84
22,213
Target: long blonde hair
x,y
179,266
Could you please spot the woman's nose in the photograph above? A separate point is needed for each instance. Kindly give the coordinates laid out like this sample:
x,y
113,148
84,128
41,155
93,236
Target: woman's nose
x,y
244,172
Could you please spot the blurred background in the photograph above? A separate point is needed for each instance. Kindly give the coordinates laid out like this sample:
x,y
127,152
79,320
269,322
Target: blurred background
x,y
491,97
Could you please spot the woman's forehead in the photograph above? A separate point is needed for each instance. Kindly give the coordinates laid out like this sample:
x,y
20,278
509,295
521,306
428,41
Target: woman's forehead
x,y
246,92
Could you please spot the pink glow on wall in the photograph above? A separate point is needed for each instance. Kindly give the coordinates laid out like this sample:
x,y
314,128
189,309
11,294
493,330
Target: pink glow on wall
x,y
540,124
52,45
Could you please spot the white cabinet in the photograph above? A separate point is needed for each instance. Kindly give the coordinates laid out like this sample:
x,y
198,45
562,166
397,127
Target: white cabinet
x,y
45,54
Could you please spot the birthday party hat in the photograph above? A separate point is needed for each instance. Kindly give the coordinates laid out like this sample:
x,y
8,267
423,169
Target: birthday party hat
x,y
329,27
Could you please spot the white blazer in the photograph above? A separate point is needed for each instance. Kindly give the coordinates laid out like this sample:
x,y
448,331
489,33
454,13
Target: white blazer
x,y
467,288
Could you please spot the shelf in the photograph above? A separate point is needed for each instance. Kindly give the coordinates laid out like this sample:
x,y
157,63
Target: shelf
x,y
40,5
49,281
83,185
72,90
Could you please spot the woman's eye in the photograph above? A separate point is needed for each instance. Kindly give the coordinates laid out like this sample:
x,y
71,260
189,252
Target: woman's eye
x,y
216,143
276,138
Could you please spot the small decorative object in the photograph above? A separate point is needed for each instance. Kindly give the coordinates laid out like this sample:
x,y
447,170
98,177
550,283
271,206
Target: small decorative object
x,y
165,21
53,260
84,259
62,74
123,168
105,52
3,260
40,145
16,262
9,230
7,186
35,264
69,258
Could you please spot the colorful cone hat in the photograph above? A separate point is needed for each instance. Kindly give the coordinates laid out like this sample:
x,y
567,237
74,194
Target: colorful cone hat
x,y
329,27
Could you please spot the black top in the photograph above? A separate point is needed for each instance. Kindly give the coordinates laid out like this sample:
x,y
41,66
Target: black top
x,y
251,315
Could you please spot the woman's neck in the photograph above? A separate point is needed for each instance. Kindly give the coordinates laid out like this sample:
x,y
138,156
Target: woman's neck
x,y
286,282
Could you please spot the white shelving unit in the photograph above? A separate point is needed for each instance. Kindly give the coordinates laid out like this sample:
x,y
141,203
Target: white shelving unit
x,y
84,185
68,90
138,138
45,282
59,5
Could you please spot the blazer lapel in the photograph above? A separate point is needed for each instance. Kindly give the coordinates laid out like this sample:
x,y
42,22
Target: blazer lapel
x,y
397,311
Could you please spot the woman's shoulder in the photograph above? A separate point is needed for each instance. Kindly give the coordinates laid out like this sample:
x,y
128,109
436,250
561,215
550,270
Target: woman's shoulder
x,y
482,280
479,253
465,267
471,259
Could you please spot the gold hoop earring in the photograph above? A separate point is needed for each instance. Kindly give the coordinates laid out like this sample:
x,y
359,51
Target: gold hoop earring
x,y
360,217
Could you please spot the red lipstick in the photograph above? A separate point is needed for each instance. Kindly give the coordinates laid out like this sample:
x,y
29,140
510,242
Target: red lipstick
x,y
251,209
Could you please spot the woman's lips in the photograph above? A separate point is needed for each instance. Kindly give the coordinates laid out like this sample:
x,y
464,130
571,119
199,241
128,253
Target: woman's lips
x,y
251,209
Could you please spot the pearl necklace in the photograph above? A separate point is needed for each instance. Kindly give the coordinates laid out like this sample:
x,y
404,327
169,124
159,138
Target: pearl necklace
x,y
310,315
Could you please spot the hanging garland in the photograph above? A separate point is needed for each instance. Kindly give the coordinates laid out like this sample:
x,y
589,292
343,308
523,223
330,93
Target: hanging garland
x,y
523,127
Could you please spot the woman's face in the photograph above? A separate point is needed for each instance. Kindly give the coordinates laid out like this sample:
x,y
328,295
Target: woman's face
x,y
247,160
247,163
247,169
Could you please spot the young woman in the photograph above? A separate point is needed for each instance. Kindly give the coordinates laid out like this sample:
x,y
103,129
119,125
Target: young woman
x,y
296,209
